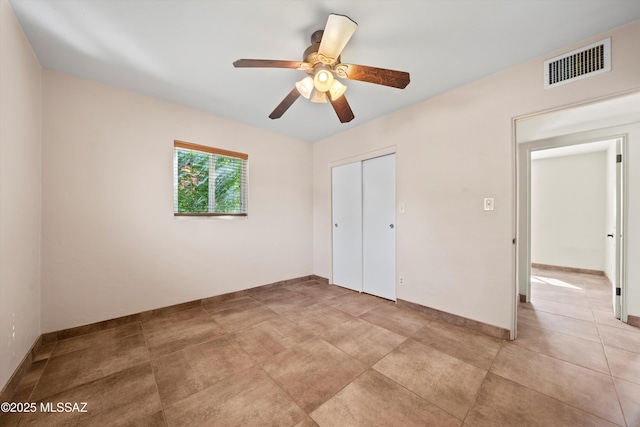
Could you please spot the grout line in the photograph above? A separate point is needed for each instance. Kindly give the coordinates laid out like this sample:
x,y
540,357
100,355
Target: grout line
x,y
554,398
565,315
280,386
613,382
283,390
417,395
475,400
34,386
155,378
597,326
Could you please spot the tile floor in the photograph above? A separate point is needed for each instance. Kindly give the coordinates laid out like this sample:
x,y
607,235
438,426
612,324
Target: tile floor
x,y
311,354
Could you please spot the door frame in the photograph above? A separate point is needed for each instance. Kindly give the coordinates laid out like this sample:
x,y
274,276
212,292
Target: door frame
x,y
392,149
523,205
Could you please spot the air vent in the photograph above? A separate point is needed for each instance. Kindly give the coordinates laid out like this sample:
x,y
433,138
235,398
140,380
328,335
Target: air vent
x,y
578,64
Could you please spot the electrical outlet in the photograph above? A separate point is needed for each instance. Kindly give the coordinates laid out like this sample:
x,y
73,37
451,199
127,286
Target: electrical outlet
x,y
401,280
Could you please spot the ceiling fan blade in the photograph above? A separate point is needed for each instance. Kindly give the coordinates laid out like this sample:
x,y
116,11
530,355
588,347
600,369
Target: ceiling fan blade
x,y
271,63
380,76
342,108
285,104
337,33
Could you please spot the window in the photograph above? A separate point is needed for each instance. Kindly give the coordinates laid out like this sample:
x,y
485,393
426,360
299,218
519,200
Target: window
x,y
209,181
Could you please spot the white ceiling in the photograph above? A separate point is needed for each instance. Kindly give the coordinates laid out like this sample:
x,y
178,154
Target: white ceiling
x,y
182,50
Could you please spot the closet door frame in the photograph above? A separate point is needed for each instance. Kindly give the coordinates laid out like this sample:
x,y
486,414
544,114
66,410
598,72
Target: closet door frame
x,y
352,159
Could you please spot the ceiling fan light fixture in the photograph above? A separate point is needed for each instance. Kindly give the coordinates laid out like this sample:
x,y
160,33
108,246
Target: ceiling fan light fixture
x,y
305,87
323,65
323,79
336,90
319,97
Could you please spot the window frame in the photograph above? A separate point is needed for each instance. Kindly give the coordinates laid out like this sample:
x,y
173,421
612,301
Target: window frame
x,y
177,144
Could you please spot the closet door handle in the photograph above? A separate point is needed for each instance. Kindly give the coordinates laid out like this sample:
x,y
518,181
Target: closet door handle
x,y
610,235
390,225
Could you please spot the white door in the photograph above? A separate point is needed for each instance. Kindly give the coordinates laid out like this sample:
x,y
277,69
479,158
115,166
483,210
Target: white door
x,y
618,232
346,195
378,225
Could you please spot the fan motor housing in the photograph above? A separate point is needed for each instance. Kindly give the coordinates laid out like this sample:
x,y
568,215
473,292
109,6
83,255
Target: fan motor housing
x,y
311,53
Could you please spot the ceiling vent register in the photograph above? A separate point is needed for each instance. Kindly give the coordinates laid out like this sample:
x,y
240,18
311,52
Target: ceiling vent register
x,y
578,64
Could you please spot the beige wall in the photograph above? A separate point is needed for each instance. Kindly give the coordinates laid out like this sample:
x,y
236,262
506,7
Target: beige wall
x,y
20,109
111,245
452,151
568,210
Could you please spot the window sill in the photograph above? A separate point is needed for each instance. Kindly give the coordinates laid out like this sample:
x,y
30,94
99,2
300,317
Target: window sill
x,y
209,215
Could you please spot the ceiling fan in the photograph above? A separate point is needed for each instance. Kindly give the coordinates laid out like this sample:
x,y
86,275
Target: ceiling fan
x,y
321,61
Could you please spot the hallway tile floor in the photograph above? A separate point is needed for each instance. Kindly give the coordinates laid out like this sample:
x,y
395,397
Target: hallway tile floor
x,y
309,354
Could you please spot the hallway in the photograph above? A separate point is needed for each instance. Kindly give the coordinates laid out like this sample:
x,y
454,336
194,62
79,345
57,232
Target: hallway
x,y
570,319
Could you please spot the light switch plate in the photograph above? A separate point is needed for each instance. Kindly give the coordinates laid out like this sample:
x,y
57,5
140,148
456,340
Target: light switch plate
x,y
488,204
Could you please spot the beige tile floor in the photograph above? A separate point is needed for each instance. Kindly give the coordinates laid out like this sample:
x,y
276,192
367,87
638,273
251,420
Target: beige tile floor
x,y
311,354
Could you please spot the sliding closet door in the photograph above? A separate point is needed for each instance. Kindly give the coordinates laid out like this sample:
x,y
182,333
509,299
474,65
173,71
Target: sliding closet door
x,y
346,194
378,230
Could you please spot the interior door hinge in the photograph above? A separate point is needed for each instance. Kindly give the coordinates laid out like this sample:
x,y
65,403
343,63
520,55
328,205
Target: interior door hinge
x,y
619,158
618,291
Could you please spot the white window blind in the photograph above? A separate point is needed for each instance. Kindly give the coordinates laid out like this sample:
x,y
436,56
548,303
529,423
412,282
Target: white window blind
x,y
209,181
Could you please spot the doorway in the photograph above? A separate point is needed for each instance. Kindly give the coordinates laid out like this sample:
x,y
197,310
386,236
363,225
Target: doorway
x,y
576,213
619,168
363,219
613,117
